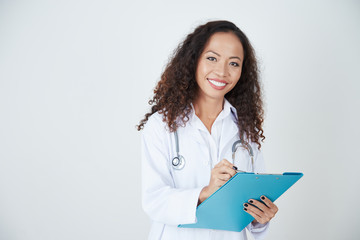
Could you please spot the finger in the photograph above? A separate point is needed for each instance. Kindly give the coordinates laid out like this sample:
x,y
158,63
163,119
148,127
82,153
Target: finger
x,y
263,211
260,218
227,169
227,163
224,162
269,203
221,163
263,216
254,209
224,176
219,182
218,165
258,204
230,165
253,214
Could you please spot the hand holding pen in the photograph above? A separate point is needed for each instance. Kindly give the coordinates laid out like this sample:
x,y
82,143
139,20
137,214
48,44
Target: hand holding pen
x,y
220,174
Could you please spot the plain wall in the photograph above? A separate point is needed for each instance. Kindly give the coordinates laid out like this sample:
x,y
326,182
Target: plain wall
x,y
75,78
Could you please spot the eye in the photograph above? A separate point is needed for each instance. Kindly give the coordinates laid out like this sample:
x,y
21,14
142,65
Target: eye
x,y
211,59
234,64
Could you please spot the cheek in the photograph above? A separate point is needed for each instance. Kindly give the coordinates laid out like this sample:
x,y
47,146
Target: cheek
x,y
204,68
238,70
237,75
201,72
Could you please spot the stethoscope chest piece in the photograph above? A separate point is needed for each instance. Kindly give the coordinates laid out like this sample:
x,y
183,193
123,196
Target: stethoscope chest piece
x,y
178,162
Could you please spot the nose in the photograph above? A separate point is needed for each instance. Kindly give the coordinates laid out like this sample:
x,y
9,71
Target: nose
x,y
221,69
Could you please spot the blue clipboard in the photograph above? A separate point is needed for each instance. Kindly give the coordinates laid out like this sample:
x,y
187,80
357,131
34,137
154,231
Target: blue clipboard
x,y
223,210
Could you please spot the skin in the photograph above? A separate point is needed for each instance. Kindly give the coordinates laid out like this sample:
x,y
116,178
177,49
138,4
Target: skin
x,y
222,59
209,101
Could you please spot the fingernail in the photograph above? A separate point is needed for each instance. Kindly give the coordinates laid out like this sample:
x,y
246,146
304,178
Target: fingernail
x,y
245,204
262,197
245,209
234,167
251,201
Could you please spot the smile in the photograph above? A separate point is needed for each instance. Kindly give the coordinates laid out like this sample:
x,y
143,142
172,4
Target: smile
x,y
217,84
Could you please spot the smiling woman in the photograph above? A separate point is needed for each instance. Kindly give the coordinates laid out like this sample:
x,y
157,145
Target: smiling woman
x,y
218,69
209,95
178,86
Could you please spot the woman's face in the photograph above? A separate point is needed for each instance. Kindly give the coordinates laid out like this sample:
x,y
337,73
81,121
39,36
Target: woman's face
x,y
219,66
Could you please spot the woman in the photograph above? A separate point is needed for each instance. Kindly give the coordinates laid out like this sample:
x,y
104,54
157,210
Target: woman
x,y
209,95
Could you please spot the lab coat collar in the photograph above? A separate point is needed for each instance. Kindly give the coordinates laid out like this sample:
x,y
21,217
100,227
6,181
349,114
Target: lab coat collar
x,y
227,109
230,122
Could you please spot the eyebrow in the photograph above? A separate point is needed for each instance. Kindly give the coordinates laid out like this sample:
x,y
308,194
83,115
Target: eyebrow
x,y
220,56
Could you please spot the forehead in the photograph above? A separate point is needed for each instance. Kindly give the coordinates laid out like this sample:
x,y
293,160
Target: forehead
x,y
225,43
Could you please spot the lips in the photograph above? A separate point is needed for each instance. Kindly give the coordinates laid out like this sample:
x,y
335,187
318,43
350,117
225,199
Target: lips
x,y
217,84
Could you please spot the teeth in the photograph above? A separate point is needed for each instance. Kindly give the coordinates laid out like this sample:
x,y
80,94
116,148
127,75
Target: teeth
x,y
219,84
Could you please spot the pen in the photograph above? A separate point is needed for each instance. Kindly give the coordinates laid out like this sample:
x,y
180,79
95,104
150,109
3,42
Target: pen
x,y
236,169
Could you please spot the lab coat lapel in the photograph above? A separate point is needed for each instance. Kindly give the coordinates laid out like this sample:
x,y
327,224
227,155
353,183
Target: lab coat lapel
x,y
194,128
194,134
228,132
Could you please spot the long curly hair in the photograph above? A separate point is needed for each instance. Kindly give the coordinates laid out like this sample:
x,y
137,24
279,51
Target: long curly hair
x,y
177,87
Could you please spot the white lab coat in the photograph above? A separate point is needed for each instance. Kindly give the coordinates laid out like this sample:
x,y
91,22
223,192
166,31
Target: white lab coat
x,y
170,196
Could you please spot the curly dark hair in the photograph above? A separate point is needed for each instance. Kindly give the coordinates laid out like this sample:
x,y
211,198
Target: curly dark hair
x,y
177,87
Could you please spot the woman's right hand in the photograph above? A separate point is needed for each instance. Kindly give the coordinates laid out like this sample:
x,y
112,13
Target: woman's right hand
x,y
220,174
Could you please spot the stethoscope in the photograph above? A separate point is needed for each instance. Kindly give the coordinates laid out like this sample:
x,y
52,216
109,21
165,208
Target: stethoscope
x,y
178,162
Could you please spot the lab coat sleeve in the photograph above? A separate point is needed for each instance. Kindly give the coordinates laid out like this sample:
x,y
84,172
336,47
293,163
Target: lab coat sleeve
x,y
160,199
258,230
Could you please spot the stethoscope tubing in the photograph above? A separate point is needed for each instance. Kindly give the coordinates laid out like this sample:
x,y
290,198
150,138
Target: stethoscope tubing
x,y
178,162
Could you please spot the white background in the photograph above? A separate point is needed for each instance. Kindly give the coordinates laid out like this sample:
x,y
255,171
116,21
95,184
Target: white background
x,y
75,78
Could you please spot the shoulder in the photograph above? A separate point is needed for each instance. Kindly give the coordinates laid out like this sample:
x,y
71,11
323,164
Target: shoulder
x,y
155,118
155,125
155,134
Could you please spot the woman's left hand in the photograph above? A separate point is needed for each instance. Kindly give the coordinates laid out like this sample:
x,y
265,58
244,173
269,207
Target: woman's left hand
x,y
263,212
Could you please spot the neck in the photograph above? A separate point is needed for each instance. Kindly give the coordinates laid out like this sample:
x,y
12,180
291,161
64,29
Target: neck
x,y
208,109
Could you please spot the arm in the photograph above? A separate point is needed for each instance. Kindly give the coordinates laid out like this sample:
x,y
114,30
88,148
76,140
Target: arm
x,y
160,199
